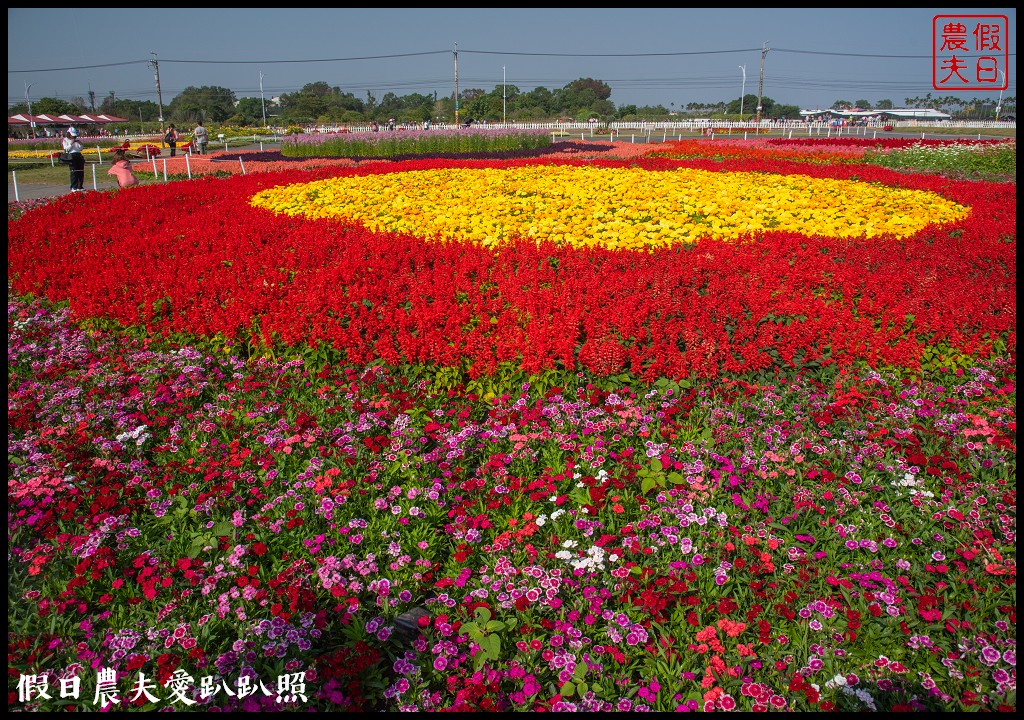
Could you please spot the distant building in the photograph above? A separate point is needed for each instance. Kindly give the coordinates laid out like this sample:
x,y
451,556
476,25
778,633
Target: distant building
x,y
865,115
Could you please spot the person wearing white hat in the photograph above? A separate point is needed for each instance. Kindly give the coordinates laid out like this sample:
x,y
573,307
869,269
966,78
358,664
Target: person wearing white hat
x,y
73,148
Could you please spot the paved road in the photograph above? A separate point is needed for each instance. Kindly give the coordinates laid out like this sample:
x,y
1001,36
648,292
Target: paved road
x,y
34,191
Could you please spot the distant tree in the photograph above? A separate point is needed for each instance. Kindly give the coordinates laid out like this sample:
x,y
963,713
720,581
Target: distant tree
x,y
749,105
390,106
485,106
527,112
444,109
924,102
789,112
652,111
538,103
954,105
47,106
491,105
606,108
707,109
249,111
583,94
862,104
842,105
319,100
134,110
884,105
767,107
417,107
601,90
208,103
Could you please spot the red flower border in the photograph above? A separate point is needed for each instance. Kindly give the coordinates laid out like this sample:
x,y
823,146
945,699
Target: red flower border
x,y
223,267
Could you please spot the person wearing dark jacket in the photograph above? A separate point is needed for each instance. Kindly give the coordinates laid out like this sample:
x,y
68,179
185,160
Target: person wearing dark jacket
x,y
171,138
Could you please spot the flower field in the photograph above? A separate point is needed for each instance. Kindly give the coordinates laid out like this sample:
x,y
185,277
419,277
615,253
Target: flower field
x,y
702,425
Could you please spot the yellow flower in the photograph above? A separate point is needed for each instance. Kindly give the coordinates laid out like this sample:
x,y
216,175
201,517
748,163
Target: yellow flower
x,y
623,208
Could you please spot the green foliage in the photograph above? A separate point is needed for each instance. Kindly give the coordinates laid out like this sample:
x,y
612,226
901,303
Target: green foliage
x,y
317,101
249,111
994,162
654,477
207,103
484,632
392,144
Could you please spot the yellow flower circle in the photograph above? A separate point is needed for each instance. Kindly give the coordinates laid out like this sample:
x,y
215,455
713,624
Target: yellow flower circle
x,y
617,208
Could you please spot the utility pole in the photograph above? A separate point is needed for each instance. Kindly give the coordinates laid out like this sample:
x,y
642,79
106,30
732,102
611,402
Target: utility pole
x,y
159,96
262,101
760,85
503,96
28,100
92,98
743,89
456,84
998,106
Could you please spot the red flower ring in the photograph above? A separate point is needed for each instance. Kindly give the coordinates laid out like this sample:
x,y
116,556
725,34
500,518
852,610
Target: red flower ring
x,y
225,268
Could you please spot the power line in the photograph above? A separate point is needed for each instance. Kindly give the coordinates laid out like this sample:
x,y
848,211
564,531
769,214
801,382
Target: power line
x,y
703,83
235,62
612,55
276,62
486,52
860,55
81,67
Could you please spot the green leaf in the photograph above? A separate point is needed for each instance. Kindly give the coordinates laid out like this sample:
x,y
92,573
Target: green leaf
x,y
580,672
568,690
491,645
222,528
482,614
676,478
657,466
198,543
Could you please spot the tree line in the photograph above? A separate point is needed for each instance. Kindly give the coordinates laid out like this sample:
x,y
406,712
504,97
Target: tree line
x,y
579,100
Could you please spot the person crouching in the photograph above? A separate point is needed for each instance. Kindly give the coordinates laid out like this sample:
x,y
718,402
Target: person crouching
x,y
122,170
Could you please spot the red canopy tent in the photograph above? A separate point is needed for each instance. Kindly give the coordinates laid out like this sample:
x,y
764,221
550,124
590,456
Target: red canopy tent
x,y
23,119
26,119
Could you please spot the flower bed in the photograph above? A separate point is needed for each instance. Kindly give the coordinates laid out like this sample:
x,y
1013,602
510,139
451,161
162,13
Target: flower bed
x,y
266,455
414,142
720,305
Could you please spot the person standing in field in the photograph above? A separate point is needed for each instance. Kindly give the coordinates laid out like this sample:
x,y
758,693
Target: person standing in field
x,y
202,137
76,159
171,138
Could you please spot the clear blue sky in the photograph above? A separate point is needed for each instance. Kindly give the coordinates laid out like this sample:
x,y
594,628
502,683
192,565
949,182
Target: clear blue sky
x,y
670,57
